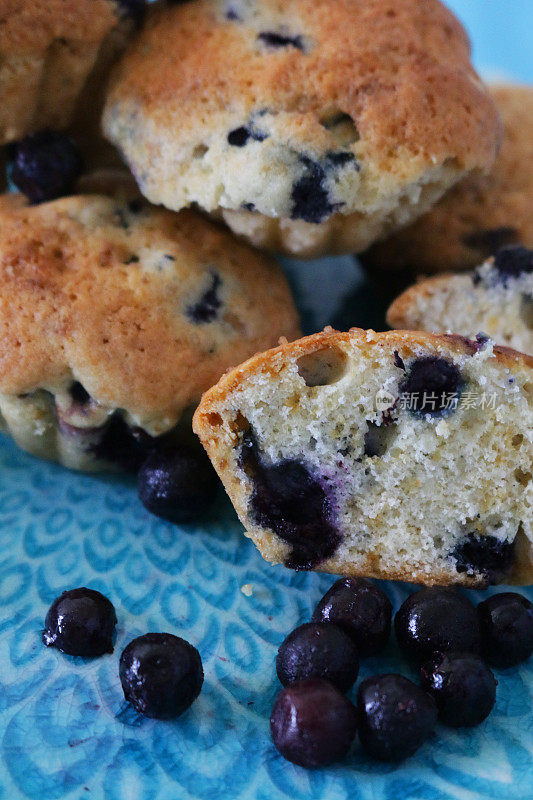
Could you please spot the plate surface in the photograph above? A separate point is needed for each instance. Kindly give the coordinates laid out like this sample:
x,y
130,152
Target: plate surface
x,y
65,730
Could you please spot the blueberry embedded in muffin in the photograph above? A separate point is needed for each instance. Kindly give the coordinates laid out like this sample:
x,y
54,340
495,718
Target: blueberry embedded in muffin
x,y
437,496
44,166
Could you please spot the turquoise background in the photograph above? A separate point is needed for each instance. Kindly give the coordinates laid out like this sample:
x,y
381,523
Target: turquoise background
x,y
65,731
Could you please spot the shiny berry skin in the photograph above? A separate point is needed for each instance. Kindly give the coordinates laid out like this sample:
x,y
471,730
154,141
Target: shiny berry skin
x,y
312,724
318,650
161,675
395,717
429,384
177,484
506,623
361,609
80,622
436,619
462,686
44,166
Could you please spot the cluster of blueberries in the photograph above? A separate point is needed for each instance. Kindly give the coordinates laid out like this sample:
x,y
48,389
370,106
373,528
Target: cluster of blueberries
x,y
313,723
161,674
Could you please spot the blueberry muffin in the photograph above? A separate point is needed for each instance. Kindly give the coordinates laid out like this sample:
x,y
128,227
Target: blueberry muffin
x,y
496,299
310,127
115,316
395,455
482,213
48,51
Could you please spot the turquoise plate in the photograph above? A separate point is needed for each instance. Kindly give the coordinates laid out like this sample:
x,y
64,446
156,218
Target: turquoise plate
x,y
65,728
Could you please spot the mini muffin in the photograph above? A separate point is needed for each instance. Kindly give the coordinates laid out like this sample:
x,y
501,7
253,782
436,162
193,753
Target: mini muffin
x,y
394,455
48,50
115,316
496,299
311,127
481,214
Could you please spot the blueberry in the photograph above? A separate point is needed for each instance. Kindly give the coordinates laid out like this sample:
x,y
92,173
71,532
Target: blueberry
x,y
362,610
506,622
490,240
463,687
292,502
432,386
318,650
161,675
312,723
80,622
44,166
485,555
309,195
513,261
206,308
177,484
276,40
396,717
241,136
436,619
123,446
135,9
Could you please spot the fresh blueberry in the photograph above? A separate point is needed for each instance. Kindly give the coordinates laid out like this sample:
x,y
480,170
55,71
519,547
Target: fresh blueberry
x,y
177,484
135,9
161,675
436,619
318,650
396,717
313,724
490,240
276,40
206,308
463,687
513,261
432,386
485,555
362,610
292,502
123,446
506,622
44,166
80,622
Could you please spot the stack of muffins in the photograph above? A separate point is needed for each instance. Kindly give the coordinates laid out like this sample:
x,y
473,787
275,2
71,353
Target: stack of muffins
x,y
303,128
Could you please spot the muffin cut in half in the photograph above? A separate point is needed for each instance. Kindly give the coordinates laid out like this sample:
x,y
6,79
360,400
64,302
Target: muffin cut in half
x,y
495,300
396,455
115,316
310,127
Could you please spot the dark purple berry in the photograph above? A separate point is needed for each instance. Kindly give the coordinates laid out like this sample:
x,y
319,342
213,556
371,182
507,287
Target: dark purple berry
x,y
506,623
44,166
293,503
241,136
362,610
436,619
463,687
80,622
207,307
513,261
318,650
313,724
396,717
485,556
177,484
432,386
276,40
161,675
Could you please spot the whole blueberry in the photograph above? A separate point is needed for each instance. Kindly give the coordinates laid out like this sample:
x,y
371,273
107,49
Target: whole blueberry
x,y
312,723
177,484
506,623
161,675
80,622
395,716
44,166
462,685
432,386
361,609
318,650
436,619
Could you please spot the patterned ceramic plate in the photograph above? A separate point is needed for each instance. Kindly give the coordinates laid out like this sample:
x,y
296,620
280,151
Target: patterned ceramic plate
x,y
65,729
